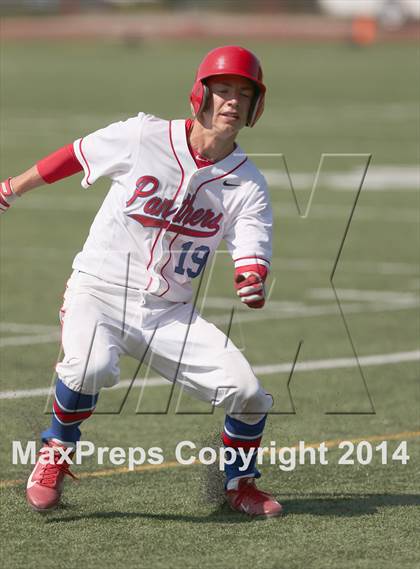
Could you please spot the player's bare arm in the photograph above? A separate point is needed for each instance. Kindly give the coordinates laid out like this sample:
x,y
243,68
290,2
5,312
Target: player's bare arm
x,y
56,166
29,180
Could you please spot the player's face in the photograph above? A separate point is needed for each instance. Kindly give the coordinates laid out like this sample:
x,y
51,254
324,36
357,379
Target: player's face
x,y
231,97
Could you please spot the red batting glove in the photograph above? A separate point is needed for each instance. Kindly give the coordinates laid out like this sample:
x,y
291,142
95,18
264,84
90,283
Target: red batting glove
x,y
7,195
250,289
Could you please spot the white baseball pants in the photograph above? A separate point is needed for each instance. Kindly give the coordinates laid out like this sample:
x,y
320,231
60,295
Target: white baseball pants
x,y
101,321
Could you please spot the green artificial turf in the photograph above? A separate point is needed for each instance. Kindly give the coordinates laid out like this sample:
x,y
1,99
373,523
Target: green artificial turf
x,y
321,99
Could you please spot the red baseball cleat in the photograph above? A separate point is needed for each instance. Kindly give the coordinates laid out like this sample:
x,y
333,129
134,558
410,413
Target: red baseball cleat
x,y
249,500
45,483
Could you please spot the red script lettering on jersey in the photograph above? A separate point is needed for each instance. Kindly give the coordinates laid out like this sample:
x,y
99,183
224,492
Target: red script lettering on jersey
x,y
141,185
158,212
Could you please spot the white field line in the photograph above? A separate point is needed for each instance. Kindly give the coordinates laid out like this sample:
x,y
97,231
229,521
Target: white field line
x,y
16,327
302,264
53,204
305,311
378,178
30,340
339,363
29,334
277,310
363,213
396,297
310,365
362,267
226,303
40,391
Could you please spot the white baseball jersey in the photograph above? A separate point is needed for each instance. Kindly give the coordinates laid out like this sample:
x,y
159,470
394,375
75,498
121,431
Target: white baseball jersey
x,y
164,217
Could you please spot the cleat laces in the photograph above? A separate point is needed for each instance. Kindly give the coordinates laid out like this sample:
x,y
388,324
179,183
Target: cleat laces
x,y
50,471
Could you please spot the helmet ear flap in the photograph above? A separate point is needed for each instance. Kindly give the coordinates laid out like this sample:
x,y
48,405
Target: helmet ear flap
x,y
206,97
255,109
199,97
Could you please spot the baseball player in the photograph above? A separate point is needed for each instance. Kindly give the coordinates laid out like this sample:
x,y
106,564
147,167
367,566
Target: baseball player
x,y
178,188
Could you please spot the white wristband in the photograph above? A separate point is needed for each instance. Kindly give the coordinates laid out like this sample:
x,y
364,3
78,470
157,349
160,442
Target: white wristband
x,y
7,191
7,195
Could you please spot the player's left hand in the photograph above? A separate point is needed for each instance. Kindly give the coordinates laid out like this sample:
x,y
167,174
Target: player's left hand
x,y
250,289
7,195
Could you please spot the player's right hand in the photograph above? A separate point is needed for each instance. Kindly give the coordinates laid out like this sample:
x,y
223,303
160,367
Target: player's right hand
x,y
250,289
7,195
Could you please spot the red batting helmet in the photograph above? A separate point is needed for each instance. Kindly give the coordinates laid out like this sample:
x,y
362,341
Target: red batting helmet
x,y
229,60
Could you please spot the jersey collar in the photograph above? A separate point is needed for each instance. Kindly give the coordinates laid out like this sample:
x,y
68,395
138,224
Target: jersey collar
x,y
180,143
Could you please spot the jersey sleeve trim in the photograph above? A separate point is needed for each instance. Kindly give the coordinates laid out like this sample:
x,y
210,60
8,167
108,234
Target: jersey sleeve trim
x,y
251,260
77,145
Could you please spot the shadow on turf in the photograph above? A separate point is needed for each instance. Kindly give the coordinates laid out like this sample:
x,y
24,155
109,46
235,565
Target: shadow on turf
x,y
347,505
222,515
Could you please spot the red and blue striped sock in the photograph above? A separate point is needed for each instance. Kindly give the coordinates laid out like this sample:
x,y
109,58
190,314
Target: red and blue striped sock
x,y
70,408
237,434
